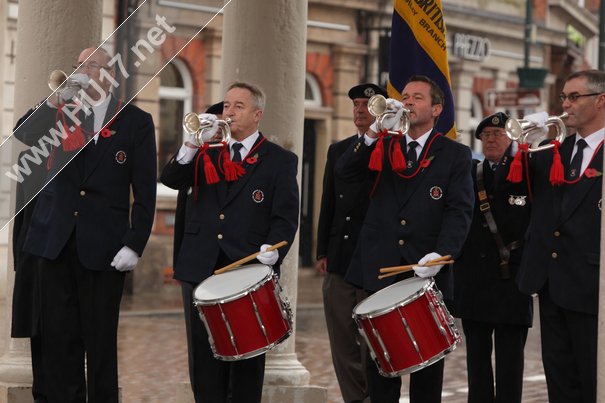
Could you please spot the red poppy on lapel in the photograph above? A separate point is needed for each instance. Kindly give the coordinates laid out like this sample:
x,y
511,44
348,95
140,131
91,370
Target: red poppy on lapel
x,y
591,173
107,133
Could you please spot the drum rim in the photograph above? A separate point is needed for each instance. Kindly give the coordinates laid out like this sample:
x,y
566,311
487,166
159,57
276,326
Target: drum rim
x,y
254,353
410,298
422,365
228,298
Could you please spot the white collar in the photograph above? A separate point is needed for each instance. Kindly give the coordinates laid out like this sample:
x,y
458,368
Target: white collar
x,y
594,139
420,140
247,143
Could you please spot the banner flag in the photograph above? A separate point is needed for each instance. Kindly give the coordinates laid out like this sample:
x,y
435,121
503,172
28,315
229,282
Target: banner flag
x,y
418,47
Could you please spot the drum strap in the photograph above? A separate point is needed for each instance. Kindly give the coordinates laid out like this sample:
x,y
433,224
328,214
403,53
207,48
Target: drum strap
x,y
484,206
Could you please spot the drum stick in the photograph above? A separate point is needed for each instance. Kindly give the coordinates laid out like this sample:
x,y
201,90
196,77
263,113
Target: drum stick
x,y
441,260
249,258
403,269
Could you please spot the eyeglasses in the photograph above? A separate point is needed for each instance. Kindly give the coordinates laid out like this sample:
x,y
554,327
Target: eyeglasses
x,y
91,65
574,96
495,134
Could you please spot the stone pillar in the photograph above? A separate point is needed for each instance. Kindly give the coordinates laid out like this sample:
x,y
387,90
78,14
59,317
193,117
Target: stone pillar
x,y
347,61
601,319
213,92
268,49
462,76
50,35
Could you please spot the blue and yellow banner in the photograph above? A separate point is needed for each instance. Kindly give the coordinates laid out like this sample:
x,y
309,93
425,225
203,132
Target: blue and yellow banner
x,y
418,47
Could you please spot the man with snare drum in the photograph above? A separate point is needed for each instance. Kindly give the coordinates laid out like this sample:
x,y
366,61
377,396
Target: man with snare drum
x,y
231,219
419,212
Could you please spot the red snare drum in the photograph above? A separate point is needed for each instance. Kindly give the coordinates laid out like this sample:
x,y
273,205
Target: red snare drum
x,y
243,311
407,326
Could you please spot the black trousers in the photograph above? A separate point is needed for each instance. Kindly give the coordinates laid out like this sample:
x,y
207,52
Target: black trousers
x,y
79,319
569,352
509,342
425,384
213,380
38,390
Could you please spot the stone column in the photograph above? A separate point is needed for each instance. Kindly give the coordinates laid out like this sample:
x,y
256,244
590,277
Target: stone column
x,y
347,61
462,76
264,42
50,34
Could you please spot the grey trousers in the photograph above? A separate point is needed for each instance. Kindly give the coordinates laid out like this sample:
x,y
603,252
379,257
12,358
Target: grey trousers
x,y
349,350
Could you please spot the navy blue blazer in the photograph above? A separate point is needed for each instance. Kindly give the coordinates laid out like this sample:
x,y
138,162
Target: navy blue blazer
x,y
343,208
481,292
562,247
409,218
236,218
91,195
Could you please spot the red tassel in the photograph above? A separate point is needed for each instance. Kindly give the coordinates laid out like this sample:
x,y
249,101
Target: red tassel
x,y
74,141
515,174
377,154
397,158
557,175
210,171
233,171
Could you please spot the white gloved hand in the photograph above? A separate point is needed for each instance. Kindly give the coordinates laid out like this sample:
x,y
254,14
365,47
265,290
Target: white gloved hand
x,y
539,119
125,260
427,271
269,258
210,132
74,83
392,120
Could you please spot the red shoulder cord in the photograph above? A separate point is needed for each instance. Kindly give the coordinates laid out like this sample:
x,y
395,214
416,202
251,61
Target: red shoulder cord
x,y
235,170
398,161
588,172
231,170
76,140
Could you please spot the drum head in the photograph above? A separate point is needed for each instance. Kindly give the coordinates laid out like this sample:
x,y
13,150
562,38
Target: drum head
x,y
392,295
232,282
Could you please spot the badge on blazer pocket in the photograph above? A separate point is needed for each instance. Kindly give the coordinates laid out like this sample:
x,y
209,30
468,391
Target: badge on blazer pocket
x,y
517,200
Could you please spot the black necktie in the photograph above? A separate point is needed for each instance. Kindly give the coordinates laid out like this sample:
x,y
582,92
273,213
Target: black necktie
x,y
237,156
89,125
575,167
412,157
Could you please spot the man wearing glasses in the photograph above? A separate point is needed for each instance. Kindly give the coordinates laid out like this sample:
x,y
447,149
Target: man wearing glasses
x,y
85,230
495,315
562,251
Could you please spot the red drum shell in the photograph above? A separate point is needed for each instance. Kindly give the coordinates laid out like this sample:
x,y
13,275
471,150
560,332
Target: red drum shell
x,y
244,312
406,326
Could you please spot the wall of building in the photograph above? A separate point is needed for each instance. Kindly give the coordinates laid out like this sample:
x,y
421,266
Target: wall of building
x,y
485,45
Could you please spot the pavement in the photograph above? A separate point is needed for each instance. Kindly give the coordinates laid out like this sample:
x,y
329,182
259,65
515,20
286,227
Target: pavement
x,y
153,352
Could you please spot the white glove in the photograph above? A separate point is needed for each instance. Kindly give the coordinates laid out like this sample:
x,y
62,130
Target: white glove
x,y
391,120
539,119
427,271
268,258
125,260
210,132
74,83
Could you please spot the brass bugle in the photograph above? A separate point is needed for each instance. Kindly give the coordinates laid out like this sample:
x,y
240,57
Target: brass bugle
x,y
378,107
195,125
527,132
57,80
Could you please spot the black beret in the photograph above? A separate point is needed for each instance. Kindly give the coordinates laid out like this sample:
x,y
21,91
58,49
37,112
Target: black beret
x,y
366,90
498,119
216,109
